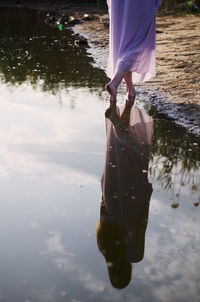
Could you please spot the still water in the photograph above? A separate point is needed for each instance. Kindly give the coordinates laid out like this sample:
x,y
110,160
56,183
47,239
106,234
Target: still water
x,y
53,146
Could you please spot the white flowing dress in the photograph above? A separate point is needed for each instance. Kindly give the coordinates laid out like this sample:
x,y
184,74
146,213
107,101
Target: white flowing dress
x,y
133,38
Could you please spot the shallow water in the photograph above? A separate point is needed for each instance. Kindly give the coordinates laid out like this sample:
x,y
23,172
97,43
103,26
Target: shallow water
x,y
52,158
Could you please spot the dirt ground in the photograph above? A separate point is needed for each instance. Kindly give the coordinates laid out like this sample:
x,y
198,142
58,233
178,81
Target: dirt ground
x,y
178,55
178,58
175,89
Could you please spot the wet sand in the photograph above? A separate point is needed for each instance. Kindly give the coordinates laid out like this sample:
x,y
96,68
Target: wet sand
x,y
175,90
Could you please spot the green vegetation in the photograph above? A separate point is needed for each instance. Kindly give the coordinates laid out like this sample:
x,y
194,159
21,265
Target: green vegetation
x,y
191,6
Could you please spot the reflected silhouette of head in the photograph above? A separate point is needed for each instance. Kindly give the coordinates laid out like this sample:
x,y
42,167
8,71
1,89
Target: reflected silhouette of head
x,y
110,241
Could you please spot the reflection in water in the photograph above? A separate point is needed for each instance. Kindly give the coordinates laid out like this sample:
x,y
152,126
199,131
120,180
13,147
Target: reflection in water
x,y
50,167
175,162
126,191
31,51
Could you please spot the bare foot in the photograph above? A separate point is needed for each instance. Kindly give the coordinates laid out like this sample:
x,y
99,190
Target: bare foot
x,y
112,90
111,114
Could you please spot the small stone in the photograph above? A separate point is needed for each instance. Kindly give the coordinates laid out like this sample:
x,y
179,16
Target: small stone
x,y
86,17
81,41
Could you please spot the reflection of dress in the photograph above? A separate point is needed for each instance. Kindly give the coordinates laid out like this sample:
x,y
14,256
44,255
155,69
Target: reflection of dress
x,y
132,38
125,188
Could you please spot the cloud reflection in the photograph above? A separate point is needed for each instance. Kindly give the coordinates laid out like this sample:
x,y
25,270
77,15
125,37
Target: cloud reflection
x,y
67,262
37,138
54,244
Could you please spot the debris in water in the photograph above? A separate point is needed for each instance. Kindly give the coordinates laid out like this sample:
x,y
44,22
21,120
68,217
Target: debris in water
x,y
63,294
175,205
109,264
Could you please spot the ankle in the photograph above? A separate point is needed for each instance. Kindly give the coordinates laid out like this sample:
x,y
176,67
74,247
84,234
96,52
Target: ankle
x,y
114,83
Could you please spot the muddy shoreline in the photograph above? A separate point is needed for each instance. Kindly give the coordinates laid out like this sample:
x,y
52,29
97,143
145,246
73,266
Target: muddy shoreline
x,y
175,90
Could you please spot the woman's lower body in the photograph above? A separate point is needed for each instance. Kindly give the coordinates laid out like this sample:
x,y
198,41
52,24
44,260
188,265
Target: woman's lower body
x,y
132,43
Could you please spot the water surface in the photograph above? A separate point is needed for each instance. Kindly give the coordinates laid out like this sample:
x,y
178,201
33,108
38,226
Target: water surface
x,y
52,132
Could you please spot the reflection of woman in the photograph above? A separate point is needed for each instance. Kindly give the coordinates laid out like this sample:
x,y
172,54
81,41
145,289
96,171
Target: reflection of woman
x,y
125,191
132,43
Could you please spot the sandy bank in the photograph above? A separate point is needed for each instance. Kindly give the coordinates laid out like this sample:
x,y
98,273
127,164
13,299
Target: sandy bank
x,y
175,89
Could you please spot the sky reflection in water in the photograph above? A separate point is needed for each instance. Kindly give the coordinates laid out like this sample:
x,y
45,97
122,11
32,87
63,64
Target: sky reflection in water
x,y
52,133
